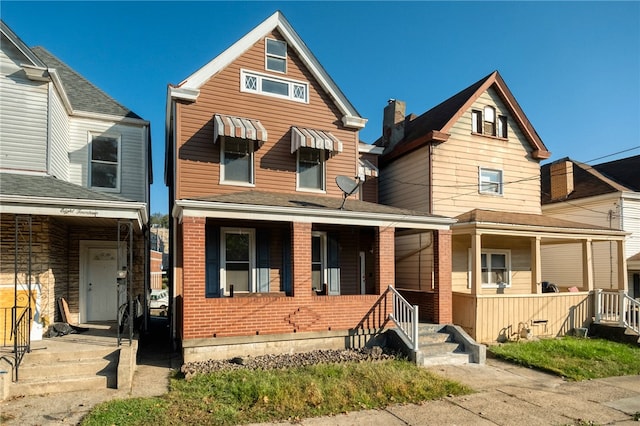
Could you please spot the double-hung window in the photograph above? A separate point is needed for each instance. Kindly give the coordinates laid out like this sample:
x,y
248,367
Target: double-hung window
x,y
276,55
318,260
495,268
311,169
490,181
237,260
487,122
237,161
105,162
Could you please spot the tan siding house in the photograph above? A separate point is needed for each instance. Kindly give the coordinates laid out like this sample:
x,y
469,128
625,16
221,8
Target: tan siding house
x,y
273,250
476,157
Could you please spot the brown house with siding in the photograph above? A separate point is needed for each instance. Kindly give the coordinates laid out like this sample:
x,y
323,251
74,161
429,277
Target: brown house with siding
x,y
266,253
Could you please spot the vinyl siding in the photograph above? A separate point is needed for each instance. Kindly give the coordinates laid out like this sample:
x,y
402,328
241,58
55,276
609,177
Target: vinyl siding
x,y
631,223
404,183
519,250
58,137
23,114
414,261
457,161
198,157
133,159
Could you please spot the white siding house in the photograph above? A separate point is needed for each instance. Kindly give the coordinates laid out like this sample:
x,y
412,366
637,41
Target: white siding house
x,y
606,195
74,176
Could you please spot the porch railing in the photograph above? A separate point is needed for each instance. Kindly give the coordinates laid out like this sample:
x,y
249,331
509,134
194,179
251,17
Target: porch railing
x,y
21,337
617,307
405,317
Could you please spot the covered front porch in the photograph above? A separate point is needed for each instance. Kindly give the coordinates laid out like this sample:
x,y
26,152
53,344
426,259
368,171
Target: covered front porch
x,y
287,273
521,275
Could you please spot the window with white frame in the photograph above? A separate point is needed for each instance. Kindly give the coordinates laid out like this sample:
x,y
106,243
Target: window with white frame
x,y
276,55
237,260
489,121
490,181
502,126
318,260
236,162
263,84
495,266
104,170
486,122
311,168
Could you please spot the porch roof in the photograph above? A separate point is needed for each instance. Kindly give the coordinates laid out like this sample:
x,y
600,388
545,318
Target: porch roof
x,y
524,222
48,196
258,205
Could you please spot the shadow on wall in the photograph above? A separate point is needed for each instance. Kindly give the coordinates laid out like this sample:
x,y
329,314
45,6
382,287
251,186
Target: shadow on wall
x,y
369,330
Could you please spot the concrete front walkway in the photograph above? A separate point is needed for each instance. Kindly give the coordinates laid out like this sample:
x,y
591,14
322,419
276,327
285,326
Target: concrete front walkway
x,y
509,395
505,395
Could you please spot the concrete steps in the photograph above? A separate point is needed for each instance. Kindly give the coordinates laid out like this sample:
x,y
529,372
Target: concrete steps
x,y
438,347
43,372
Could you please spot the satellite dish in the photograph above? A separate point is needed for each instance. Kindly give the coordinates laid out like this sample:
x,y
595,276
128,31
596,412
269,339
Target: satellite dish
x,y
348,187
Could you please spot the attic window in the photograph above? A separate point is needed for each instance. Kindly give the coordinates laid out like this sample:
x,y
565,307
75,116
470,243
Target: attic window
x,y
489,121
485,123
276,56
264,84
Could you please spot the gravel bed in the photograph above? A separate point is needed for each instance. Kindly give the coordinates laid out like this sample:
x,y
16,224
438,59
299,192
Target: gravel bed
x,y
270,362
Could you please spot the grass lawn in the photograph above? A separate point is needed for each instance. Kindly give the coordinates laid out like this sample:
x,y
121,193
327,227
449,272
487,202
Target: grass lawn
x,y
573,358
244,396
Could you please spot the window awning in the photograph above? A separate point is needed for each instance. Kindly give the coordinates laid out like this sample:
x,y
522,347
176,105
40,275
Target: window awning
x,y
310,138
238,127
366,168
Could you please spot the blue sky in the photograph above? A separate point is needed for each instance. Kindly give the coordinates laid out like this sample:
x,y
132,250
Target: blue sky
x,y
574,67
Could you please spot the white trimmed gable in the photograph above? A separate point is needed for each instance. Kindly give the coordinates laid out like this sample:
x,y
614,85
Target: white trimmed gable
x,y
188,90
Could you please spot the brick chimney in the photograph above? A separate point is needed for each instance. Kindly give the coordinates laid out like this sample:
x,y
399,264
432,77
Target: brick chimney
x,y
393,122
561,179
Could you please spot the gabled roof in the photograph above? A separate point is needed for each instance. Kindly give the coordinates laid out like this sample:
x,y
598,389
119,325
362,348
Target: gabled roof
x,y
625,171
189,88
435,124
589,181
20,45
82,94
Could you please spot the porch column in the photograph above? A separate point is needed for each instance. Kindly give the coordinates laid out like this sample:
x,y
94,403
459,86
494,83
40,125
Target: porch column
x,y
385,258
587,264
622,267
443,298
476,263
536,267
191,283
301,259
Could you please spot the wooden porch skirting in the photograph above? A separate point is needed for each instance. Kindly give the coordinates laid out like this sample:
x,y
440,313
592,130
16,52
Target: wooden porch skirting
x,y
491,318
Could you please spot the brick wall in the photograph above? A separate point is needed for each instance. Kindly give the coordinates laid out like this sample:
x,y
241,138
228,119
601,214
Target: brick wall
x,y
257,314
442,271
385,258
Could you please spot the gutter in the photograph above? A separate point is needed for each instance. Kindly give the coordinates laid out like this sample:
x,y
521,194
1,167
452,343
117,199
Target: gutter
x,y
192,208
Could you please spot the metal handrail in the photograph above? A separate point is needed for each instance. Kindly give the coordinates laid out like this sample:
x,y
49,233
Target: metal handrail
x,y
617,306
405,316
21,337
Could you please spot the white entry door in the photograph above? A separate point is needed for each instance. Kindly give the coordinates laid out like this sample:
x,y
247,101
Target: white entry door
x,y
101,284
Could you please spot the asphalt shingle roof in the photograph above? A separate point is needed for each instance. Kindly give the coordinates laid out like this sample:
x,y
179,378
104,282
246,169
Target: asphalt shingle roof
x,y
82,94
600,179
524,219
48,187
309,201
